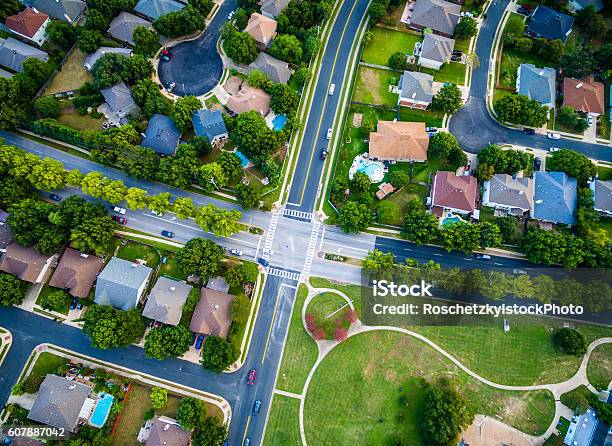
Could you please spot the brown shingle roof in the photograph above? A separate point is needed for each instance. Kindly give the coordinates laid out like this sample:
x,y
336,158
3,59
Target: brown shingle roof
x,y
249,98
400,141
76,273
261,28
167,432
585,95
452,191
212,315
25,263
27,22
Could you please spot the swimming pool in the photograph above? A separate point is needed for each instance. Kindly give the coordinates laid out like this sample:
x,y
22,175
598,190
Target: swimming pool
x,y
375,170
368,169
101,411
449,218
243,159
278,123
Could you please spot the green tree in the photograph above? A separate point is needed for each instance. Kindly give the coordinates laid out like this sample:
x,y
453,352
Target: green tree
x,y
379,261
360,182
578,64
399,178
114,192
166,342
183,111
210,433
551,247
241,308
574,164
136,198
253,137
566,115
461,236
180,23
147,96
47,107
191,413
12,290
211,176
419,225
287,47
248,195
218,354
221,222
146,41
32,226
231,165
397,61
159,397
571,341
239,46
466,28
442,144
97,20
14,191
61,34
89,40
241,19
448,99
9,7
354,217
302,76
160,203
108,327
284,99
490,235
200,256
519,109
93,235
388,213
48,174
203,6
183,208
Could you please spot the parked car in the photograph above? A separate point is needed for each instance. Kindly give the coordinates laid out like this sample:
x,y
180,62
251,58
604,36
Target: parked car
x,y
73,304
79,306
589,120
118,210
417,48
120,220
263,262
168,234
529,131
235,252
467,14
332,88
523,10
165,58
230,15
519,271
199,341
256,407
431,129
159,214
251,378
329,133
457,53
554,149
551,135
456,58
55,197
166,53
323,153
483,257
247,441
537,163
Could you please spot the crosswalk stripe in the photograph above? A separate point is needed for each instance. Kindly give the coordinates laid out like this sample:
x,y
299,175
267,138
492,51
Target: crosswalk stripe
x,y
314,235
270,235
283,273
298,214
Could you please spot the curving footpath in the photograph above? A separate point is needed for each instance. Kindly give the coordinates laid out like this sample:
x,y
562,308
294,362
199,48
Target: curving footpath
x,y
557,389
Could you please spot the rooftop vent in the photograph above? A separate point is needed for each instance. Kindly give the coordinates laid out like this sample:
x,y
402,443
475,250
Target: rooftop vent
x,y
166,427
579,84
172,288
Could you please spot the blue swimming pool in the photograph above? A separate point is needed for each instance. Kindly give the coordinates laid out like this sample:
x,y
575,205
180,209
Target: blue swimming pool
x,y
101,411
368,169
278,123
243,159
450,219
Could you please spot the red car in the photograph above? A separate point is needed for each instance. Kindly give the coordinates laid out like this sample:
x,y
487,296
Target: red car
x,y
251,379
120,220
166,53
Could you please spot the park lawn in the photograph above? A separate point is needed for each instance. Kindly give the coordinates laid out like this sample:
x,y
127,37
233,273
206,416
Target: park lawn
x,y
372,86
599,368
45,363
453,72
171,268
569,397
386,42
300,351
46,290
133,251
358,386
71,76
423,171
283,428
430,118
322,307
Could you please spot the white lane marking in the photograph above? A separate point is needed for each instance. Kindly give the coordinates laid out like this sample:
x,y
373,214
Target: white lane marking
x,y
439,255
347,247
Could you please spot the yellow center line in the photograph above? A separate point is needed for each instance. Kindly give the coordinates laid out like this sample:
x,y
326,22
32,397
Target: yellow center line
x,y
325,100
246,429
263,357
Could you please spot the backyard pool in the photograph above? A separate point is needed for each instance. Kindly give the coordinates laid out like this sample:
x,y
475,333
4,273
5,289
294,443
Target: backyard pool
x,y
375,170
243,159
449,218
278,123
101,411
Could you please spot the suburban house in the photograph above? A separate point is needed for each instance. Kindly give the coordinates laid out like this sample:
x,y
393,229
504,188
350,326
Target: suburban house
x,y
439,15
122,27
91,59
61,403
602,196
546,22
166,300
69,11
161,135
577,5
514,195
277,70
272,8
76,272
262,29
6,74
25,262
154,9
29,24
210,124
122,284
249,98
399,141
415,90
13,53
584,95
555,197
453,193
164,431
118,103
212,315
435,51
537,83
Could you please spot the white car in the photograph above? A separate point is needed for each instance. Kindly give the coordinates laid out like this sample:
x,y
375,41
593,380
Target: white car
x,y
467,14
230,15
329,133
118,210
171,86
235,252
159,214
554,149
332,87
553,136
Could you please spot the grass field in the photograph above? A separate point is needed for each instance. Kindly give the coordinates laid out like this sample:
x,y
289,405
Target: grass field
x,y
45,363
133,251
422,171
402,197
69,117
386,42
430,118
283,427
170,268
569,397
358,386
300,351
372,87
599,369
452,72
72,75
46,290
322,306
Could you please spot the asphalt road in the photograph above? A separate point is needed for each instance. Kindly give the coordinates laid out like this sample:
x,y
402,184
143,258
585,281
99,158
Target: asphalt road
x,y
196,66
474,127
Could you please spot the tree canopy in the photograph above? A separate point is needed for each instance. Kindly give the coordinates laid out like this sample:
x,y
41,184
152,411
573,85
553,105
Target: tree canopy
x,y
200,256
108,327
218,354
519,109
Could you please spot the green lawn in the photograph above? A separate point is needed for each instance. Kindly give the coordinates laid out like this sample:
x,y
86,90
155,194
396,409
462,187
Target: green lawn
x,y
599,369
170,268
563,426
569,397
386,42
423,171
69,117
402,197
372,87
283,428
46,363
605,173
430,118
300,351
357,391
46,290
133,251
512,59
462,45
322,307
452,72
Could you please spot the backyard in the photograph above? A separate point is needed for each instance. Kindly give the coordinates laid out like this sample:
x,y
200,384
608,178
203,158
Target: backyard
x,y
372,87
70,117
71,76
429,117
134,251
387,42
45,363
46,290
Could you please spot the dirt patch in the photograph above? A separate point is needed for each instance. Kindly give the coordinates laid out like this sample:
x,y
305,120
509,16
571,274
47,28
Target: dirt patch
x,y
514,408
232,85
371,84
486,431
71,76
357,119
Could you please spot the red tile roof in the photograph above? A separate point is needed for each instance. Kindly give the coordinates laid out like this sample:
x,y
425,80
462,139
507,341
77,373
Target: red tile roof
x,y
452,191
27,22
585,95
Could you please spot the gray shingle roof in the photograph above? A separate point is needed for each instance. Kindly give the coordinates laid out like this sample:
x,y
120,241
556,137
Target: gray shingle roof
x,y
66,10
156,8
504,190
547,22
537,83
166,300
438,48
209,123
6,74
91,59
122,27
119,99
416,86
59,402
13,53
602,195
6,236
277,70
272,8
161,135
119,282
555,197
167,432
439,15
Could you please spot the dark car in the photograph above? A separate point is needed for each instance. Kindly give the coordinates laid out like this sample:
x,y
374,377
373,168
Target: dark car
x,y
55,197
263,262
256,407
323,153
168,234
529,131
199,341
457,53
523,10
73,304
456,58
247,441
251,378
120,220
79,306
537,162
